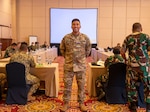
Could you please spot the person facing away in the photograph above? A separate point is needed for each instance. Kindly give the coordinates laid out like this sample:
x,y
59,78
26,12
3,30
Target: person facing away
x,y
10,50
103,78
118,45
137,45
28,61
75,47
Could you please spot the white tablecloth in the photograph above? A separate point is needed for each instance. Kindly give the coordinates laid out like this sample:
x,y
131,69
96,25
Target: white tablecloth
x,y
93,73
100,55
48,54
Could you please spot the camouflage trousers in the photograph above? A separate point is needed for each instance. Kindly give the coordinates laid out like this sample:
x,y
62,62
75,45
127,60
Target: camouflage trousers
x,y
2,81
136,75
2,77
100,85
34,81
68,79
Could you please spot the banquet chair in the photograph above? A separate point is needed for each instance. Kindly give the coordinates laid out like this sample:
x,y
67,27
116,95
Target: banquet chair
x,y
116,87
17,88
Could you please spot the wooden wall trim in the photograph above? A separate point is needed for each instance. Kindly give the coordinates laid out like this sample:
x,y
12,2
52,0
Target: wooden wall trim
x,y
5,43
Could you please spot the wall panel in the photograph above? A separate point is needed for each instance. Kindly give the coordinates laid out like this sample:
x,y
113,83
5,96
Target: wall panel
x,y
32,17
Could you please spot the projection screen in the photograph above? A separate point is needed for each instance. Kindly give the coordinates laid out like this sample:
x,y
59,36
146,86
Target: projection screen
x,y
60,22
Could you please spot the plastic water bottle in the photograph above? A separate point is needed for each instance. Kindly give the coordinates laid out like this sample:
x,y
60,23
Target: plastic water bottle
x,y
39,60
46,61
49,60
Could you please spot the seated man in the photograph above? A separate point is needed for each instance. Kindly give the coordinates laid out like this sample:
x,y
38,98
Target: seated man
x,y
31,47
2,82
28,61
37,45
10,50
102,79
44,45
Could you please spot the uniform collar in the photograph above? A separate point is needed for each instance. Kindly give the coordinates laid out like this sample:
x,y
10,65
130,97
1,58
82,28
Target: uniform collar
x,y
136,33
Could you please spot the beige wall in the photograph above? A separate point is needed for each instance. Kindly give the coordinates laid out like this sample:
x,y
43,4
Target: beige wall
x,y
5,19
115,18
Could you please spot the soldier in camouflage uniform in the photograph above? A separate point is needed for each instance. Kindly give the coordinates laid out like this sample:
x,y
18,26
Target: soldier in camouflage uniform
x,y
137,45
75,47
2,82
101,81
28,61
10,50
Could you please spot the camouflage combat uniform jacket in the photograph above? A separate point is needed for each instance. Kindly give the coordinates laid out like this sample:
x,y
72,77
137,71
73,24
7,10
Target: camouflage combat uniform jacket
x,y
9,51
25,59
138,63
75,50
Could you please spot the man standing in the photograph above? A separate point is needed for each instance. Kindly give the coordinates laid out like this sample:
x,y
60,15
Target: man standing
x,y
75,47
28,61
137,45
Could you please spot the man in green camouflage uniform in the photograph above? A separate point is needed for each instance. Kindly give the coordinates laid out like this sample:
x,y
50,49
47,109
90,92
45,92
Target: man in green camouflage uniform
x,y
10,50
101,81
28,61
75,47
137,45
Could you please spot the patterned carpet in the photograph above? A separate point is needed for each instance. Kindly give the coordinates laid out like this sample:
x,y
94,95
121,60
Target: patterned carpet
x,y
47,104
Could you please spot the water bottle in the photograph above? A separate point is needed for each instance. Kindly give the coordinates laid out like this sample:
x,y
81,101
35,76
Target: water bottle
x,y
46,61
39,60
49,60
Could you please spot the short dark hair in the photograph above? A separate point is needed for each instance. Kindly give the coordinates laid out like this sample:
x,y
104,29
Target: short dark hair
x,y
75,19
23,46
13,44
116,50
136,26
36,42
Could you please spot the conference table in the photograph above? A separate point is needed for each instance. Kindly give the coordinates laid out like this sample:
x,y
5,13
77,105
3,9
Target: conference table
x,y
100,54
93,73
48,73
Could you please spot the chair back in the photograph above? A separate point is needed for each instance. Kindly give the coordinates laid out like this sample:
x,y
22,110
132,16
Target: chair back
x,y
116,87
15,74
117,75
17,88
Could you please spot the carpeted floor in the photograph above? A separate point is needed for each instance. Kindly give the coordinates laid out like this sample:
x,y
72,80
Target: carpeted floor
x,y
47,104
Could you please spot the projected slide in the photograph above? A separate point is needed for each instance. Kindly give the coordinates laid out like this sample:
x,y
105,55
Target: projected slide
x,y
60,22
